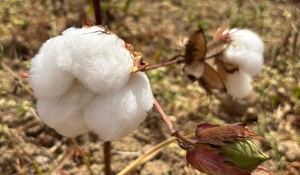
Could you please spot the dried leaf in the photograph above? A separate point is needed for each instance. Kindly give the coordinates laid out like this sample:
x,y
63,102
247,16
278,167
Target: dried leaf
x,y
84,21
227,67
194,71
206,159
210,79
196,47
218,135
139,64
215,47
196,68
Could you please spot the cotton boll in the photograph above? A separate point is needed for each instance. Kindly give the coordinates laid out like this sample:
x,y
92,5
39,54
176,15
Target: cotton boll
x,y
238,84
65,113
115,116
246,50
46,78
142,90
98,60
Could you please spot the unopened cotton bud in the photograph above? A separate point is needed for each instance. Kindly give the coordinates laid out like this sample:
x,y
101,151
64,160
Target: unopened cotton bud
x,y
116,115
238,84
245,50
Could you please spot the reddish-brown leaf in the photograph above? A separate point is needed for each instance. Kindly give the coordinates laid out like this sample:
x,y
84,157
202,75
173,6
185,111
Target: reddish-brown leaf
x,y
207,159
218,135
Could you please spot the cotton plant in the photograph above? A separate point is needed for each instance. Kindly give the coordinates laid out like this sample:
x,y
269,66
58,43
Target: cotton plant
x,y
244,53
88,79
237,55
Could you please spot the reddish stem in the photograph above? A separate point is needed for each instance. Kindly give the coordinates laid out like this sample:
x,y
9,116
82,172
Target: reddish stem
x,y
107,158
164,117
173,131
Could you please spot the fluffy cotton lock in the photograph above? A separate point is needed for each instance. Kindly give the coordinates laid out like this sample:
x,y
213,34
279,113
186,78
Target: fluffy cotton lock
x,y
238,84
83,81
245,50
113,116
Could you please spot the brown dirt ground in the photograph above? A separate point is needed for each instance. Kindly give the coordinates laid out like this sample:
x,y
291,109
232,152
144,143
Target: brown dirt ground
x,y
159,30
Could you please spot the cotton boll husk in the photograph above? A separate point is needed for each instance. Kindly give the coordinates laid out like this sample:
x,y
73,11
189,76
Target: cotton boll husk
x,y
66,113
115,116
238,84
98,60
246,50
46,78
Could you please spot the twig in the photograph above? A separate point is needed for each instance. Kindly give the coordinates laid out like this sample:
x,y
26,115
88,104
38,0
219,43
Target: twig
x,y
86,161
107,158
36,166
175,59
19,80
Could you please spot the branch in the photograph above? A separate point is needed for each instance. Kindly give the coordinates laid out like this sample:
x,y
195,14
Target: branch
x,y
173,131
174,60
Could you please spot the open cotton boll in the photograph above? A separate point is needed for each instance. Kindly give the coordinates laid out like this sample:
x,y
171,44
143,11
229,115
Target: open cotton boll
x,y
66,113
116,115
245,50
46,78
98,60
238,84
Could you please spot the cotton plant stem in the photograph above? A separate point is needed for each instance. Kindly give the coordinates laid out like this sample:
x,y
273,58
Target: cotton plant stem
x,y
97,11
164,117
173,131
174,60
107,157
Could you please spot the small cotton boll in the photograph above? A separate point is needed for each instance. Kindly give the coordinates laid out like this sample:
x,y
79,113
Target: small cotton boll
x,y
245,50
100,61
238,84
115,116
46,78
65,113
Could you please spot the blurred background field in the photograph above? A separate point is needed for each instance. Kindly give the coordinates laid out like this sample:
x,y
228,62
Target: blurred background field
x,y
158,29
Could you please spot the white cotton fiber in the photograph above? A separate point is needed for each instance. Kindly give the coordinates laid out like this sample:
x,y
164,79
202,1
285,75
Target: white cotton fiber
x,y
238,84
245,50
115,116
65,113
46,78
100,61
83,81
